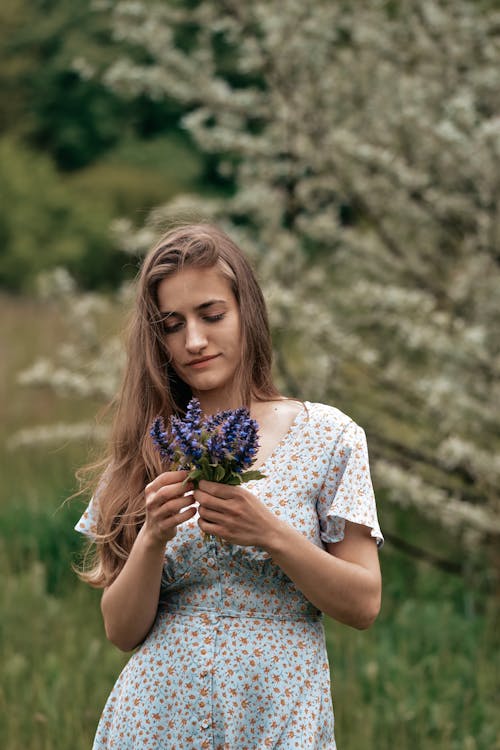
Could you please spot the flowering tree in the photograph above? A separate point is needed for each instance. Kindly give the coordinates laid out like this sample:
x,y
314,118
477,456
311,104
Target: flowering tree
x,y
363,143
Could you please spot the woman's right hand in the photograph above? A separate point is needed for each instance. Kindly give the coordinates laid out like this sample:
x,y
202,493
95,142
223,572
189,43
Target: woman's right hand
x,y
130,603
166,501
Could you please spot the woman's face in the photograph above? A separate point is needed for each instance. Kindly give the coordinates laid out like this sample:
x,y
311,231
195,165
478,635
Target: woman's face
x,y
201,323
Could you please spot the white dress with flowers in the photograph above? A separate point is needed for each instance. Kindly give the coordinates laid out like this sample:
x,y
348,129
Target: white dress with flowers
x,y
236,658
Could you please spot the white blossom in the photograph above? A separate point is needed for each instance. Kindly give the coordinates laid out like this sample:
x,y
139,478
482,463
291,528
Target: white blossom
x,y
56,434
365,150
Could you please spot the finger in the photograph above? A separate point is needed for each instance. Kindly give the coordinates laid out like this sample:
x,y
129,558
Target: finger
x,y
168,492
167,477
207,500
172,507
168,523
160,514
217,489
185,515
212,516
212,529
158,510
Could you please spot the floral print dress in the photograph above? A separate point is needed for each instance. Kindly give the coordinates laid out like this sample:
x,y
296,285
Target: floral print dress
x,y
236,658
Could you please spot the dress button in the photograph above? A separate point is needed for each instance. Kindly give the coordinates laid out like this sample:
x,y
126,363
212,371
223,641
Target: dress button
x,y
205,723
211,562
204,673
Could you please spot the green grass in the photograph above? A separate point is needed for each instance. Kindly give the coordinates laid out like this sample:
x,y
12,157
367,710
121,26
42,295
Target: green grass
x,y
56,665
424,677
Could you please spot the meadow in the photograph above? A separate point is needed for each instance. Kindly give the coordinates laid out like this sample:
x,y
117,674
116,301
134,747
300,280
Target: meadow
x,y
426,676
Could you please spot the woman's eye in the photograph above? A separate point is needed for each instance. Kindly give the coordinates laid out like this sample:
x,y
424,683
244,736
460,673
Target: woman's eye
x,y
172,328
214,318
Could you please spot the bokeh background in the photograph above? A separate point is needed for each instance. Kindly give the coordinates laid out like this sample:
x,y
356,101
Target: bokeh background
x,y
353,149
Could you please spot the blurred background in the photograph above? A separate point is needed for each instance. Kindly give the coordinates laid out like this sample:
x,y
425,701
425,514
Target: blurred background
x,y
353,150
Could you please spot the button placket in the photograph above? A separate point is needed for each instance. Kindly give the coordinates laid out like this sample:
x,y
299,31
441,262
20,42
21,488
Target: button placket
x,y
203,677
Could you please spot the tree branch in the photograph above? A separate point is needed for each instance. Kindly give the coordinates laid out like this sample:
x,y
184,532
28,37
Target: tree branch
x,y
447,566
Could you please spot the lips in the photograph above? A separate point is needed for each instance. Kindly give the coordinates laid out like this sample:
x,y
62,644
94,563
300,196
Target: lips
x,y
201,361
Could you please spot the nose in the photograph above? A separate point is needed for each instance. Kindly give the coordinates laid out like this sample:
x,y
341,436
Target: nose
x,y
196,339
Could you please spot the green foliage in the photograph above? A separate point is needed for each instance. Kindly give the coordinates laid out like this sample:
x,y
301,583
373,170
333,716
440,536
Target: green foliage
x,y
43,224
72,118
46,220
38,44
75,120
74,154
137,175
51,92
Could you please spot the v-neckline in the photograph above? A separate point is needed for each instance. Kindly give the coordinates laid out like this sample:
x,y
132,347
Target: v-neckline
x,y
304,411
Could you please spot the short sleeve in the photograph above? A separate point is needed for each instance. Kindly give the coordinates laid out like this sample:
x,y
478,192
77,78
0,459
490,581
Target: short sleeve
x,y
347,491
87,524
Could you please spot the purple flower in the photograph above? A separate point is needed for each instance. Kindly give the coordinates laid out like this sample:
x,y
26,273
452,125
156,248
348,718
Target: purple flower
x,y
218,447
194,415
186,438
240,439
215,420
161,440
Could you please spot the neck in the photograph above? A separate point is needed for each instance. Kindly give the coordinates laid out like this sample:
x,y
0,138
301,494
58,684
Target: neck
x,y
212,402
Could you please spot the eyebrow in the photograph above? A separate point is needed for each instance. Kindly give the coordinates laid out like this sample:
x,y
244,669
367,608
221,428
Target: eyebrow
x,y
199,308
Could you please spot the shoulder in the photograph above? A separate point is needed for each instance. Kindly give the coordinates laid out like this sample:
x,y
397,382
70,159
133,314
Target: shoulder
x,y
331,426
327,417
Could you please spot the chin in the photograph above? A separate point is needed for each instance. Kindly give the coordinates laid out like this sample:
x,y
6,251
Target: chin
x,y
207,384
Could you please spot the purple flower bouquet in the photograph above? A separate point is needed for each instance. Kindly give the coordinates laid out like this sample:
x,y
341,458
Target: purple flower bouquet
x,y
219,448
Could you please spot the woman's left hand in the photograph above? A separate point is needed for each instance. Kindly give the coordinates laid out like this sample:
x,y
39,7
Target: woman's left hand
x,y
234,514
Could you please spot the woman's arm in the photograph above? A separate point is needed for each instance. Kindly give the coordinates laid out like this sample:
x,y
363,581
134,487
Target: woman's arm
x,y
342,581
130,603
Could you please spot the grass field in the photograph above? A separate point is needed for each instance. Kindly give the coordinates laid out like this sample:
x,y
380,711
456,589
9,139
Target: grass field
x,y
426,676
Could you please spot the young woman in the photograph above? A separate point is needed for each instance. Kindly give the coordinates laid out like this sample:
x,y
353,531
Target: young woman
x,y
230,650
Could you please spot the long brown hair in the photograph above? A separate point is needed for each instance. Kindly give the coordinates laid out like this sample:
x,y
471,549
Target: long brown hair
x,y
151,387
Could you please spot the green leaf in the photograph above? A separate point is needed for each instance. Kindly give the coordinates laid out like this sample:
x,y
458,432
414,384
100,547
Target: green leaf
x,y
194,475
205,466
219,473
233,479
248,476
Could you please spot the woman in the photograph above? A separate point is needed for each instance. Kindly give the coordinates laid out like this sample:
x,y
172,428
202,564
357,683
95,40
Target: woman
x,y
230,643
